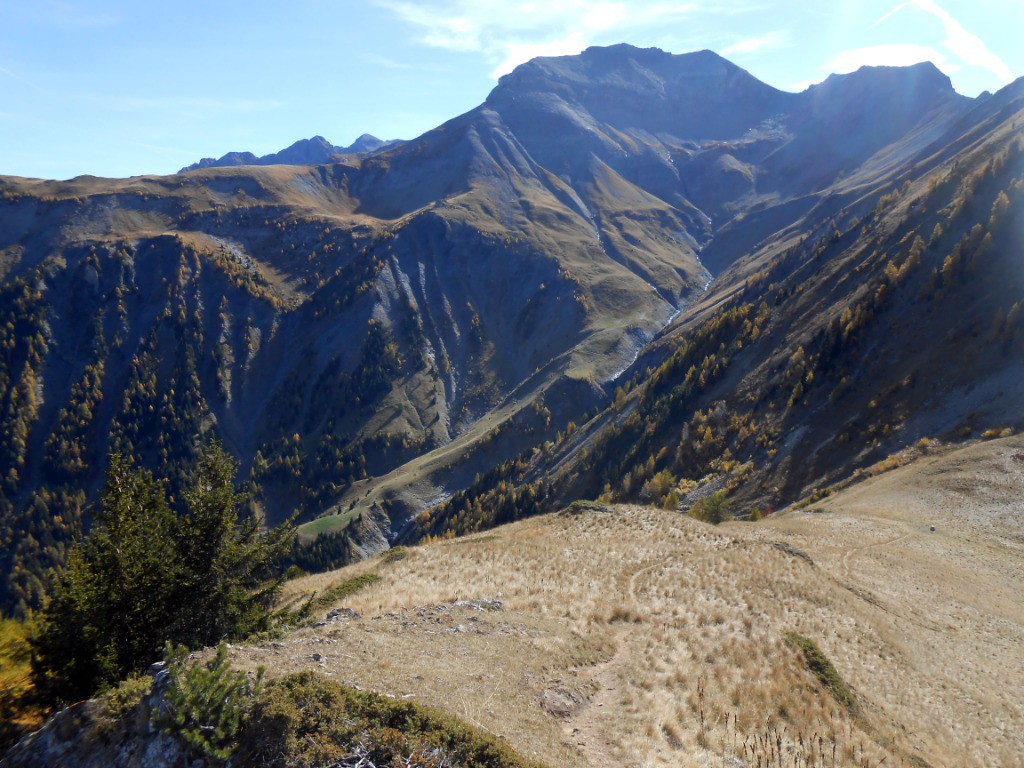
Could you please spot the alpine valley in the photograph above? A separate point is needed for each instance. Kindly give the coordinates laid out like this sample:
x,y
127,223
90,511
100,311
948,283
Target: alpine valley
x,y
627,275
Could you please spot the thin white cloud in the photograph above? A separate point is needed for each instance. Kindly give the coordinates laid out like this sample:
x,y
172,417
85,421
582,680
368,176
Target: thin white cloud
x,y
510,32
383,61
602,16
73,16
965,45
885,17
888,55
800,86
772,41
517,53
16,76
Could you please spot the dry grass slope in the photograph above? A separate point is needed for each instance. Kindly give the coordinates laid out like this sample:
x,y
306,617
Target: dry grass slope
x,y
634,636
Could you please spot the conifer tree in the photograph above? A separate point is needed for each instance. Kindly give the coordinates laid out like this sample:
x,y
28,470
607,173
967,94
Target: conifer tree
x,y
227,559
143,577
111,607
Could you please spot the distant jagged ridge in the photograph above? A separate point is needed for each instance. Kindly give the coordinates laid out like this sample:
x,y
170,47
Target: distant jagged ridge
x,y
303,152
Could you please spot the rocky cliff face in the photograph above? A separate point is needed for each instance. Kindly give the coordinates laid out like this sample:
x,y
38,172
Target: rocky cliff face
x,y
86,735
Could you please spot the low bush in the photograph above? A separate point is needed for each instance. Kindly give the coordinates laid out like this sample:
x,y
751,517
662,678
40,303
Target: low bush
x,y
206,704
305,720
124,697
395,554
584,506
823,669
345,589
290,618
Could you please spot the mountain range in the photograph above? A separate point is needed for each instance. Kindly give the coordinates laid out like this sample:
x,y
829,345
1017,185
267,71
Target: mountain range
x,y
627,274
312,151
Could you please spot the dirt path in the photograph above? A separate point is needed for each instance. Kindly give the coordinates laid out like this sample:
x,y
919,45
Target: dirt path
x,y
588,727
852,552
944,607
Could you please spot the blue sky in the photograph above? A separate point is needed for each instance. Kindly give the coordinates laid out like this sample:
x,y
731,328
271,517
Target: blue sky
x,y
118,88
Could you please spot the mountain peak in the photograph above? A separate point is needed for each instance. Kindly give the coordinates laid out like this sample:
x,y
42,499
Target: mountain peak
x,y
303,152
365,143
618,61
921,78
905,94
691,95
625,50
